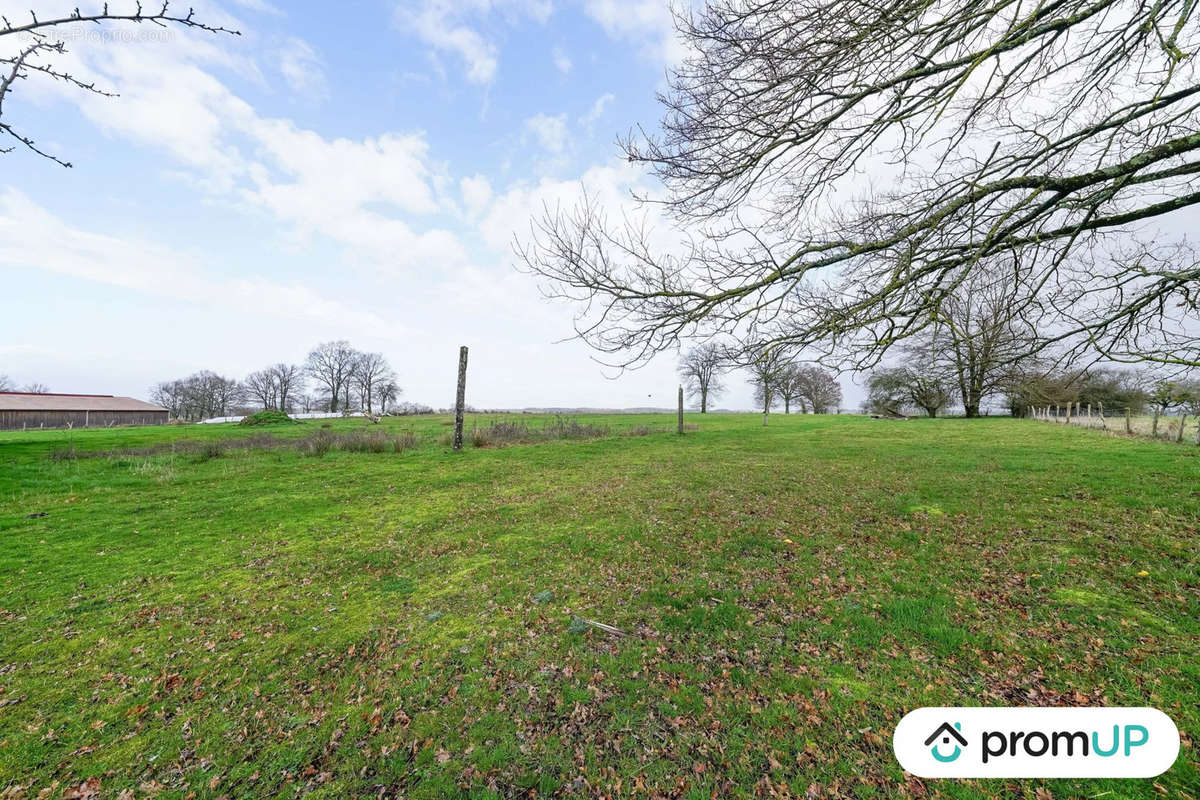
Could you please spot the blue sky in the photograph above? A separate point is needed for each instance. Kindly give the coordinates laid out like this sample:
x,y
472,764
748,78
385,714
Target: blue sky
x,y
353,173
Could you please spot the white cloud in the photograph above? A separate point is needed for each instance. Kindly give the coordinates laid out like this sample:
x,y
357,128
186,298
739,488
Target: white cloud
x,y
453,26
367,195
301,68
435,24
33,238
550,131
597,110
562,61
476,192
648,24
609,185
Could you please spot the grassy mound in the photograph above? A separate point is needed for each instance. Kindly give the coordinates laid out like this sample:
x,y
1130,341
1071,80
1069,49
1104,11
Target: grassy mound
x,y
267,418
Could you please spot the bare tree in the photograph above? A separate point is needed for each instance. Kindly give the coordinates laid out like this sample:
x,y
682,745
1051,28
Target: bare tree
x,y
1036,388
36,388
818,387
331,364
787,388
897,389
1117,389
370,371
42,42
289,381
701,369
6,384
1048,135
765,371
199,396
1165,395
224,393
388,392
261,387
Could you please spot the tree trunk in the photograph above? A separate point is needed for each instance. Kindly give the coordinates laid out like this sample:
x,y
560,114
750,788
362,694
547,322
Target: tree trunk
x,y
787,405
680,412
704,400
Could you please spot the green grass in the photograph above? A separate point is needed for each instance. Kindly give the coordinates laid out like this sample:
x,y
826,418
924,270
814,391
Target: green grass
x,y
268,623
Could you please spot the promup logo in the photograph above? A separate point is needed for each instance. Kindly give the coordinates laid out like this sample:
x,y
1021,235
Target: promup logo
x,y
946,732
1036,742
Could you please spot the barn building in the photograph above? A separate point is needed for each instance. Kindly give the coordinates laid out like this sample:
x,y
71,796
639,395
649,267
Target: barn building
x,y
20,410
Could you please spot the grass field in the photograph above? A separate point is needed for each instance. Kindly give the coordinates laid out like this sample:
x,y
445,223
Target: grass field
x,y
269,623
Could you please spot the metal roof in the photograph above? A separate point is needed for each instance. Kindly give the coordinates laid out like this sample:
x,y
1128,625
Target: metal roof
x,y
27,401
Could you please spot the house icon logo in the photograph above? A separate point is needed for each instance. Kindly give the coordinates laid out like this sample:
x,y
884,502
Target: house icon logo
x,y
946,732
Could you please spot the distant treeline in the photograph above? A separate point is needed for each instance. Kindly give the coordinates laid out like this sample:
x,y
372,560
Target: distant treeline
x,y
334,377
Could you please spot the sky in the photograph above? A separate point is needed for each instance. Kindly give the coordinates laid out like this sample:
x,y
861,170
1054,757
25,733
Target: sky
x,y
357,173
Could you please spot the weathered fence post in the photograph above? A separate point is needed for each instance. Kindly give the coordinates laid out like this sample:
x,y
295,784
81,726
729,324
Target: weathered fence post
x,y
1154,425
1128,420
680,425
461,398
1103,424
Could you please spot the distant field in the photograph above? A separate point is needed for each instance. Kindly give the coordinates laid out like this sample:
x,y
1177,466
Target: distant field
x,y
252,622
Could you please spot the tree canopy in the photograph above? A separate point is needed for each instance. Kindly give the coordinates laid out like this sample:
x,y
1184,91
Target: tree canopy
x,y
1050,137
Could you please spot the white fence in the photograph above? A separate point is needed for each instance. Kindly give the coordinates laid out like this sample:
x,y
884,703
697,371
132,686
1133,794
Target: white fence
x,y
312,415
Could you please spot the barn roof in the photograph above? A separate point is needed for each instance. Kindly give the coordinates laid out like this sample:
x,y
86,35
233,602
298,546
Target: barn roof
x,y
27,401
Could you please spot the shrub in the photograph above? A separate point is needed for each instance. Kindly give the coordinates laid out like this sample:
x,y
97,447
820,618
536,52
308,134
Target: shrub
x,y
210,450
267,417
67,453
504,431
318,444
321,442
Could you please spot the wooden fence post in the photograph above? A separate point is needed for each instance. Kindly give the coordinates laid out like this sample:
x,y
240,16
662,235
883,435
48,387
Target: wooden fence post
x,y
680,425
1154,426
460,399
1128,420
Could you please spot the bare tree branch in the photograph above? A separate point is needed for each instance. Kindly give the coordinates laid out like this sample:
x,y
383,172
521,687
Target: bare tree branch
x,y
1049,135
44,40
